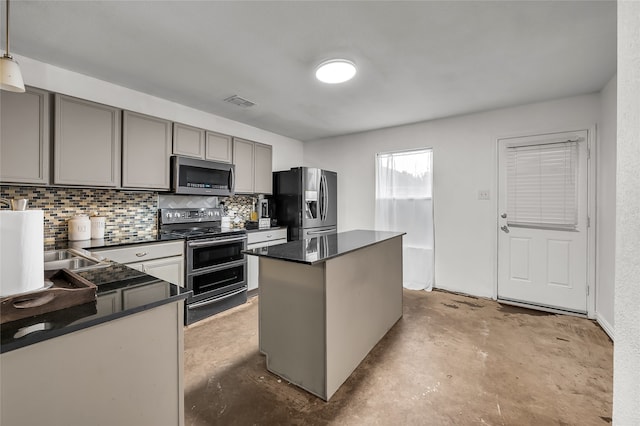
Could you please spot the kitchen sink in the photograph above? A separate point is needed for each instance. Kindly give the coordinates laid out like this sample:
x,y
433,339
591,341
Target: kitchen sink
x,y
72,259
50,256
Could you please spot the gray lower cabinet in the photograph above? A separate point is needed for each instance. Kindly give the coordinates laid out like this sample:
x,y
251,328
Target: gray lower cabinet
x,y
169,269
24,137
86,143
253,167
136,296
128,371
188,140
162,259
258,239
146,148
218,147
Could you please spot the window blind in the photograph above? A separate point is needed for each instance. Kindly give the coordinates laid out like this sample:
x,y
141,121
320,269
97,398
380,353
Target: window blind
x,y
542,185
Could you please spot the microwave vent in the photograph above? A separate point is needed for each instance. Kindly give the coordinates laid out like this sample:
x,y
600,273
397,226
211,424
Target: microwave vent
x,y
241,102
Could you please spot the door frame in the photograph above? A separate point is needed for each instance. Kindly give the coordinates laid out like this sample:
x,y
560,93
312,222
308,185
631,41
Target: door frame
x,y
591,214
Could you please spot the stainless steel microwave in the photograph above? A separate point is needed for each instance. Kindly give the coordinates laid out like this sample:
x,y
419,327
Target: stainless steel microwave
x,y
201,177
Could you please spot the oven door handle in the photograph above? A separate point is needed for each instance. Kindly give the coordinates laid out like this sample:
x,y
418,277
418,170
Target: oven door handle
x,y
214,242
215,300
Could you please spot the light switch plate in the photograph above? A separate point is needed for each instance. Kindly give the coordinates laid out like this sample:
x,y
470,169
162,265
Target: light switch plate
x,y
483,194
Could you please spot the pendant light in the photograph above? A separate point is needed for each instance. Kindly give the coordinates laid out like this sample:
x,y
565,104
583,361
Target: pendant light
x,y
10,76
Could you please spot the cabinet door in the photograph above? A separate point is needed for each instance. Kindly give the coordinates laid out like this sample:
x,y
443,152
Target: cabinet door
x,y
168,269
24,136
188,141
253,264
138,296
86,143
252,271
243,160
218,147
141,252
108,303
146,148
263,182
266,235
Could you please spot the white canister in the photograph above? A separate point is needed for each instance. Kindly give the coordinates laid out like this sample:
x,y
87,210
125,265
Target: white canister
x,y
79,228
97,227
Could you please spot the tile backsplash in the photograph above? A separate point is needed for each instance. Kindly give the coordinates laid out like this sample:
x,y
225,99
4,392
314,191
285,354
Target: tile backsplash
x,y
240,205
128,213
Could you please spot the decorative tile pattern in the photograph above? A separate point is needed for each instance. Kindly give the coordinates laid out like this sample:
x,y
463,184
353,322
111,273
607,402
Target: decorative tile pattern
x,y
128,213
240,205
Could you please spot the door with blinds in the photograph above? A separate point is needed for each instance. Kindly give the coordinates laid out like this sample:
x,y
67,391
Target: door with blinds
x,y
542,236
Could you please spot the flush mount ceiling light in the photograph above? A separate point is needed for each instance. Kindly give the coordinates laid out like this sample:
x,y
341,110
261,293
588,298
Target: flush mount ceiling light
x,y
10,76
335,71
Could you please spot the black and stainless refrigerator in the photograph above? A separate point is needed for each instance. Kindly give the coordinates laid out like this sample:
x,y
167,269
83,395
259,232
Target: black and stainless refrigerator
x,y
305,201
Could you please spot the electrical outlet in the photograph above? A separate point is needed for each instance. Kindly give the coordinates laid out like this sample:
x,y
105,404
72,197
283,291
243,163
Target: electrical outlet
x,y
483,194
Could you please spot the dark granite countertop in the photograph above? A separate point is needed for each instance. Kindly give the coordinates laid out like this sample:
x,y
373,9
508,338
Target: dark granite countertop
x,y
115,284
322,248
117,241
273,228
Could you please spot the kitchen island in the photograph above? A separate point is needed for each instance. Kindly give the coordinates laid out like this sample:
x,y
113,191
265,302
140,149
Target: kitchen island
x,y
115,361
325,302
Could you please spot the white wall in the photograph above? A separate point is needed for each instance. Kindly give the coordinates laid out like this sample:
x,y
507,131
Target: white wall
x,y
626,351
464,162
606,208
287,152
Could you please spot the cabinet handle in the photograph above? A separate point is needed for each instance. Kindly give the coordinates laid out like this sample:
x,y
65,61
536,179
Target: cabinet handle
x,y
144,253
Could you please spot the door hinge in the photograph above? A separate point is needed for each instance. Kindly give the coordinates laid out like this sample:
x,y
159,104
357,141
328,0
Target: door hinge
x,y
588,222
588,153
587,290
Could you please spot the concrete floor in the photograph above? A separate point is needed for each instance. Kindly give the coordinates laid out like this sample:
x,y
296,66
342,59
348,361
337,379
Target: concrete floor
x,y
451,360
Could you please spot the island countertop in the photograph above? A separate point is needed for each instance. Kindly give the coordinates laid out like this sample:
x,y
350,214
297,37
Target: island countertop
x,y
325,247
121,291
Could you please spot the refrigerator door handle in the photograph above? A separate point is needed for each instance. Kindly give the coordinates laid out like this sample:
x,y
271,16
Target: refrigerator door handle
x,y
325,196
321,199
324,231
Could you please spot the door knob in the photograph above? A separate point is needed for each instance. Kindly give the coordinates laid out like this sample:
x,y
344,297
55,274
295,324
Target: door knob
x,y
505,228
503,215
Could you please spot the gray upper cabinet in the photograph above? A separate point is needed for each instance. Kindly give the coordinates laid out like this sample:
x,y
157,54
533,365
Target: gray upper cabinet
x,y
188,141
86,143
146,148
243,160
262,176
218,147
24,137
253,167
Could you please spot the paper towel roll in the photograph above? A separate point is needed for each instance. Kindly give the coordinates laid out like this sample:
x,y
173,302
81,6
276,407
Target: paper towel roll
x,y
21,251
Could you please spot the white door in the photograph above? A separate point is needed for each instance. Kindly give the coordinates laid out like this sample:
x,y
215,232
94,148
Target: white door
x,y
542,240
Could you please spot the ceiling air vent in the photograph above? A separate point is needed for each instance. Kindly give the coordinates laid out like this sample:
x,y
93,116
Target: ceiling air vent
x,y
241,102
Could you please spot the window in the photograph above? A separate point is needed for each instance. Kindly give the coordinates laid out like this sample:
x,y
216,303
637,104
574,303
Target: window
x,y
404,204
542,185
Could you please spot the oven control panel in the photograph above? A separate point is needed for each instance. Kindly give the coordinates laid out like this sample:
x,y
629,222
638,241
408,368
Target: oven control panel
x,y
190,215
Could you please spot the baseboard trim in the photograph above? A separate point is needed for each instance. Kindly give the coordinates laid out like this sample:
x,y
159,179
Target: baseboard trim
x,y
541,308
462,293
604,324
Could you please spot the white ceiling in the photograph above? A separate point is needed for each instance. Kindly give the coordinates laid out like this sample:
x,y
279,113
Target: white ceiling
x,y
417,60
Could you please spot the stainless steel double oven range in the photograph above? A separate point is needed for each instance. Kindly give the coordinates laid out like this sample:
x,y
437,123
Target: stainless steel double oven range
x,y
216,268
